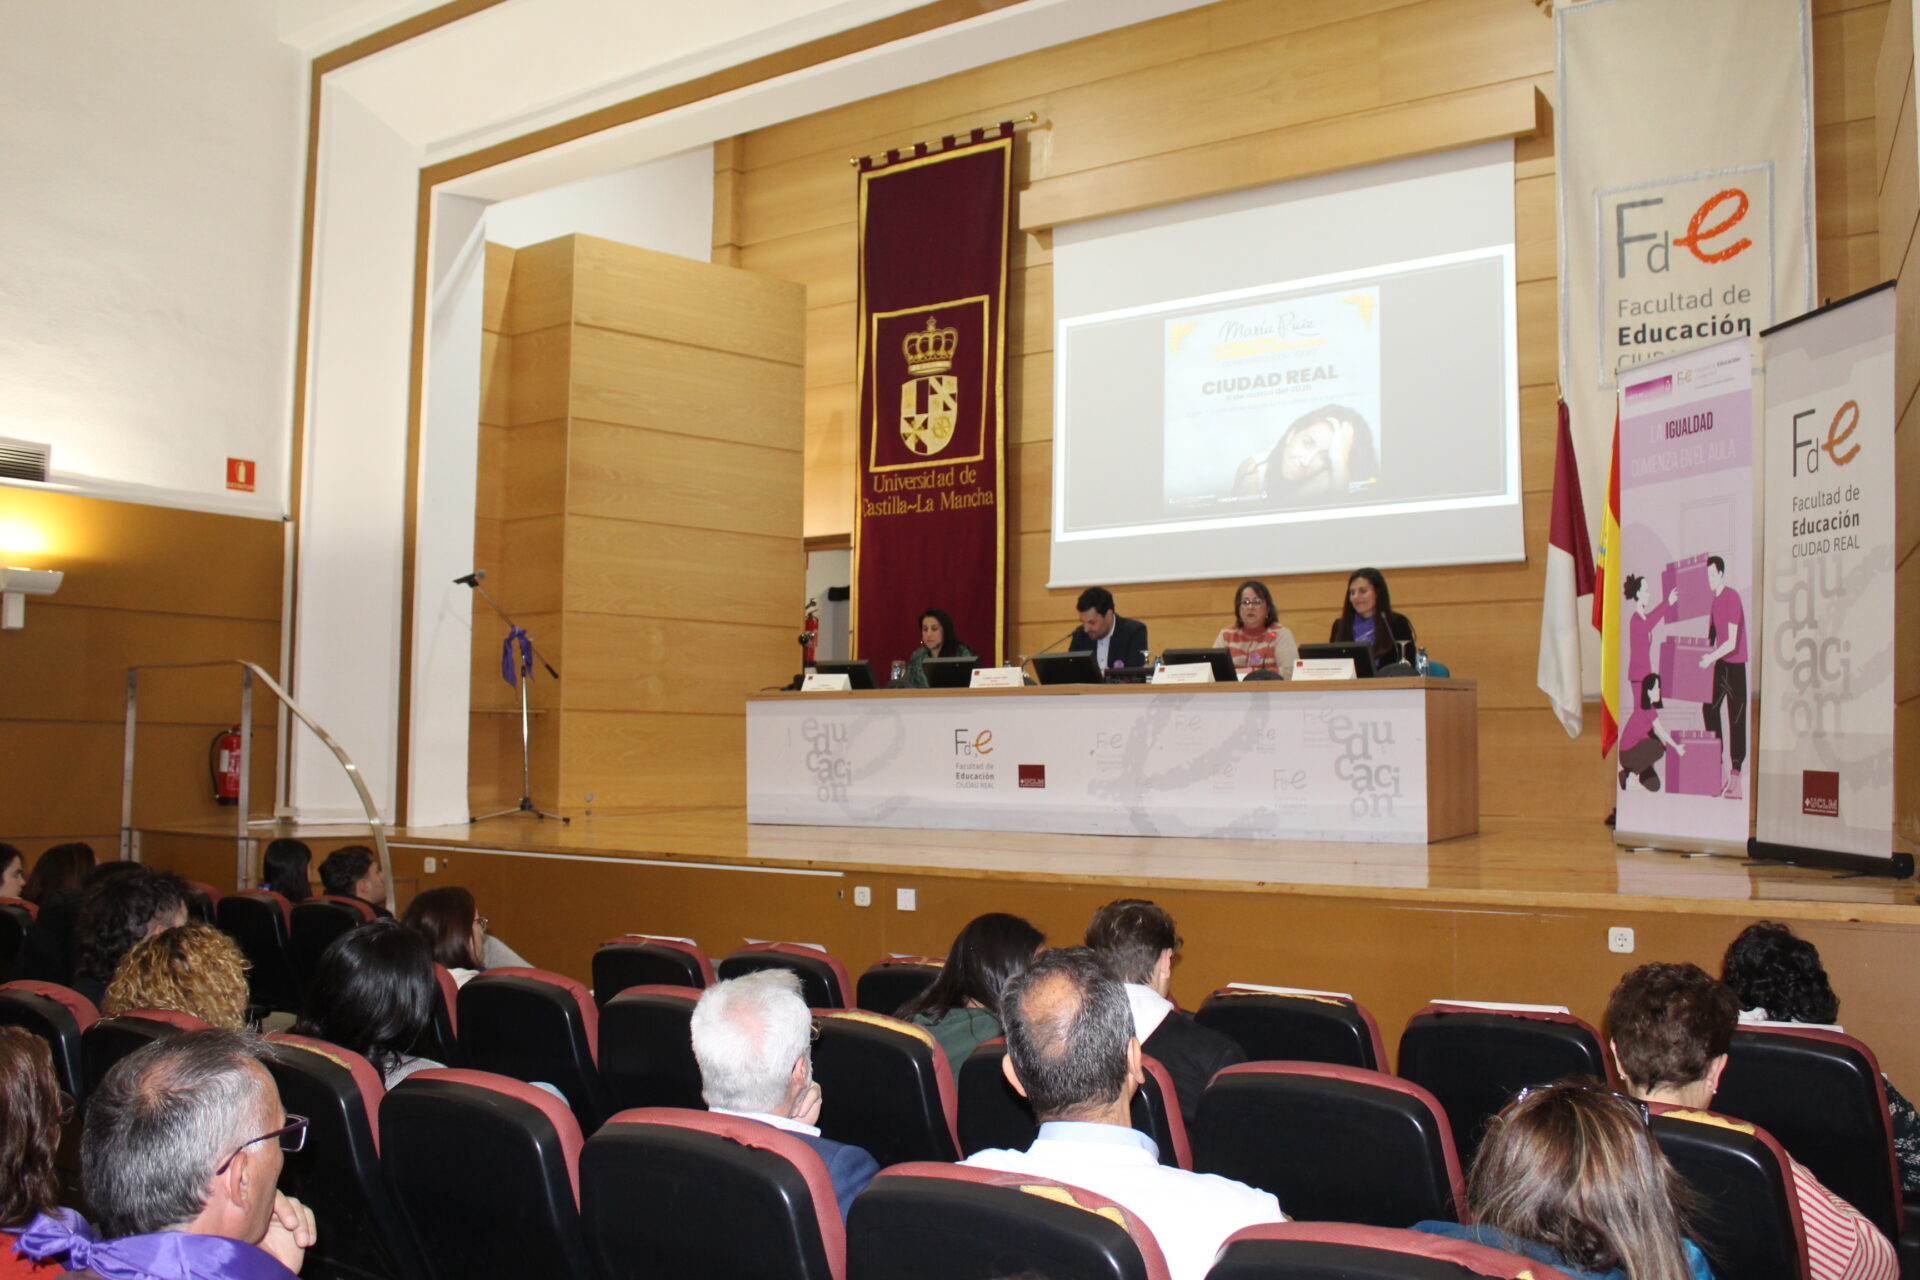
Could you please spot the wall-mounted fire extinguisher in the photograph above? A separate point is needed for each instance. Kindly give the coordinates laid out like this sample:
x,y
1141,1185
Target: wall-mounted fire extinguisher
x,y
811,633
223,762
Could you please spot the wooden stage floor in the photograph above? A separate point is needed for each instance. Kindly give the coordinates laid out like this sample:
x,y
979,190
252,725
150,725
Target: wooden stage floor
x,y
1510,863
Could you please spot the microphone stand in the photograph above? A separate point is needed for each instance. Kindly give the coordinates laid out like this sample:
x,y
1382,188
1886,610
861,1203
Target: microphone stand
x,y
526,804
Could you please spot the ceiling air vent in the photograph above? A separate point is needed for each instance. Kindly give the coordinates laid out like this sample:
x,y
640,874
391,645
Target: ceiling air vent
x,y
23,459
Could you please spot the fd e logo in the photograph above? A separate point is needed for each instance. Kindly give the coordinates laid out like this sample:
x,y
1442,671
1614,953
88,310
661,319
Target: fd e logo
x,y
1707,237
979,744
1835,446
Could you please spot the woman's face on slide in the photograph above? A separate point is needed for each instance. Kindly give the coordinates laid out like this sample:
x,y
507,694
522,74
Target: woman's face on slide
x,y
931,634
1360,593
1305,453
1253,611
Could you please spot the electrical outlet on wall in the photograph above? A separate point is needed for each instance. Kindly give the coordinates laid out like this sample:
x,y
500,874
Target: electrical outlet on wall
x,y
862,895
905,900
1620,939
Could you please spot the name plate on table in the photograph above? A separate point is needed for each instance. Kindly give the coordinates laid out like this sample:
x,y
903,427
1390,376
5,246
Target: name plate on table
x,y
1323,668
996,678
1185,673
818,683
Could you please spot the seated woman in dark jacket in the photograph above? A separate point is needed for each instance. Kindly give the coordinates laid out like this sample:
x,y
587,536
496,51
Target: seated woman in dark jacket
x,y
1368,618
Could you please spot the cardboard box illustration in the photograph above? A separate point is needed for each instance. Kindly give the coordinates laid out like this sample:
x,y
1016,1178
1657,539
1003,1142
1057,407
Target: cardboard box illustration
x,y
1690,576
1700,771
1682,678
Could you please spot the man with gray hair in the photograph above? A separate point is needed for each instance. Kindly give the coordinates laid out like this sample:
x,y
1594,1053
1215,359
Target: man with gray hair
x,y
753,1038
180,1161
1072,1053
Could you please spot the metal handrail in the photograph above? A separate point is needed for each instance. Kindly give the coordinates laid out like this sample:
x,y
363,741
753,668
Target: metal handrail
x,y
248,671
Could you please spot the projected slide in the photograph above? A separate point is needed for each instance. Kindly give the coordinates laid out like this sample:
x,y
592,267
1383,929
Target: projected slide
x,y
1273,405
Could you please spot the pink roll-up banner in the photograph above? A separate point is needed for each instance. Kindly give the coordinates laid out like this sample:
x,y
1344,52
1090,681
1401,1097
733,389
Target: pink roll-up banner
x,y
1684,768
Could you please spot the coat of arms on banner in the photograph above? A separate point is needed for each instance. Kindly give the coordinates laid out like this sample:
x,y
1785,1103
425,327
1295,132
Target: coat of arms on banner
x,y
930,402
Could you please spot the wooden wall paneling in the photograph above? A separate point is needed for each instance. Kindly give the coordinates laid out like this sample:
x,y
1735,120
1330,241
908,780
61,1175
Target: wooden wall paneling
x,y
537,372
631,473
1846,48
62,779
1906,614
828,461
496,354
1430,49
832,345
535,474
822,260
75,660
1845,178
540,287
1892,77
1029,397
1529,767
625,663
662,296
652,570
495,283
638,760
646,382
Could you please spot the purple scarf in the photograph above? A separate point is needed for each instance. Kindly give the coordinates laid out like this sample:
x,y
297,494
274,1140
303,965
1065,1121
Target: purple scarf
x,y
164,1255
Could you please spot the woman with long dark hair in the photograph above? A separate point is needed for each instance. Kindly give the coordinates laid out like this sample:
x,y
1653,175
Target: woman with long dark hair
x,y
31,1110
937,640
286,869
1569,1175
59,874
373,993
962,1007
1368,618
450,921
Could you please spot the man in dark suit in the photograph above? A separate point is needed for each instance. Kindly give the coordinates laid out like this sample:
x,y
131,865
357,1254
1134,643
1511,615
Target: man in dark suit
x,y
1114,641
1136,939
753,1038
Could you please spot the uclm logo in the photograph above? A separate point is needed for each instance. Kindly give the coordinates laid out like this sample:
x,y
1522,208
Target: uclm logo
x,y
1819,793
1033,775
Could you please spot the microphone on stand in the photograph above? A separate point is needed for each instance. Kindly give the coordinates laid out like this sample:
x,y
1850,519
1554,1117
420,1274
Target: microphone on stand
x,y
1055,645
471,579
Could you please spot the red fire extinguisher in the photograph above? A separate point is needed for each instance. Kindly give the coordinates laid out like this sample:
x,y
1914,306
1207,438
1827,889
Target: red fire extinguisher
x,y
223,762
812,632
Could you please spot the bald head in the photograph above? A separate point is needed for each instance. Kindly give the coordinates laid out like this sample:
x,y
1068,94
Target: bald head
x,y
1069,1029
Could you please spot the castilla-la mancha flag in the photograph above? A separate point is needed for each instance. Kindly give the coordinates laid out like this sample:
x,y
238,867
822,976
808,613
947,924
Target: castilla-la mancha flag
x,y
928,531
1569,576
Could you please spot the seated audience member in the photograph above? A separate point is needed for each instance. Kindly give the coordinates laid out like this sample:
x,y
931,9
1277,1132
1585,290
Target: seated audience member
x,y
13,871
1257,629
753,1039
285,869
373,992
1777,977
1670,1026
937,640
193,968
1113,640
1568,1175
962,1007
180,1162
1136,939
1368,618
457,933
31,1109
1072,1053
118,910
352,871
58,877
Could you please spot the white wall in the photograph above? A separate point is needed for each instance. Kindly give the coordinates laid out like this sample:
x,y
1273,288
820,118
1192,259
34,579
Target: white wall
x,y
665,205
151,159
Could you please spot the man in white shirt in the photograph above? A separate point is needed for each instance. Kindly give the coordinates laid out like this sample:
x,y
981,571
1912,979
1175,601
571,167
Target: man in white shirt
x,y
753,1038
1072,1053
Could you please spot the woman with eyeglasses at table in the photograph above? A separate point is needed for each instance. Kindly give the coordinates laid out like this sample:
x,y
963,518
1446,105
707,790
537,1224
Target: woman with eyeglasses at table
x,y
450,920
1569,1175
1257,630
32,1109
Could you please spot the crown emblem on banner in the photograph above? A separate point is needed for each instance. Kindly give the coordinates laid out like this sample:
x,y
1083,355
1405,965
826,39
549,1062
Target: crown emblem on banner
x,y
930,350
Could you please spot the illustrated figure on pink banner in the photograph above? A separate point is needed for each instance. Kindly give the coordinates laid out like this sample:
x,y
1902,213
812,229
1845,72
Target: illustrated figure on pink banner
x,y
1648,613
1727,633
1645,741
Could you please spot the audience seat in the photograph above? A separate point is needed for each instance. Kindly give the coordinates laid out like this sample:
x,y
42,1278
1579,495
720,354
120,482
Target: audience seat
x,y
1274,1027
60,1016
1343,1251
441,1042
668,1192
951,1222
16,914
110,1039
886,1087
1751,1225
889,984
646,1048
641,960
258,921
823,980
338,1174
1332,1143
203,902
487,1173
314,924
992,1114
1476,1060
532,1024
1847,1139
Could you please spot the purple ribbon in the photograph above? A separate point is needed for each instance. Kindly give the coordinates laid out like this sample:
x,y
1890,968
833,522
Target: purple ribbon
x,y
508,670
164,1255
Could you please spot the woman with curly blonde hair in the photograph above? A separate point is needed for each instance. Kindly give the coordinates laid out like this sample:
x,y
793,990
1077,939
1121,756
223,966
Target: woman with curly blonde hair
x,y
192,968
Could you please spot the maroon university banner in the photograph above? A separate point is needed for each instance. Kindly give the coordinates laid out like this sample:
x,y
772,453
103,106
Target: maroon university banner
x,y
933,277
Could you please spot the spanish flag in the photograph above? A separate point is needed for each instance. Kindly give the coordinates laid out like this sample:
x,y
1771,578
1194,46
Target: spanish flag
x,y
1606,599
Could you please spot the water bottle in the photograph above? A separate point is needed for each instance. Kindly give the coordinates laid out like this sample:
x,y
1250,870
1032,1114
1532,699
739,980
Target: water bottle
x,y
899,672
1420,662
